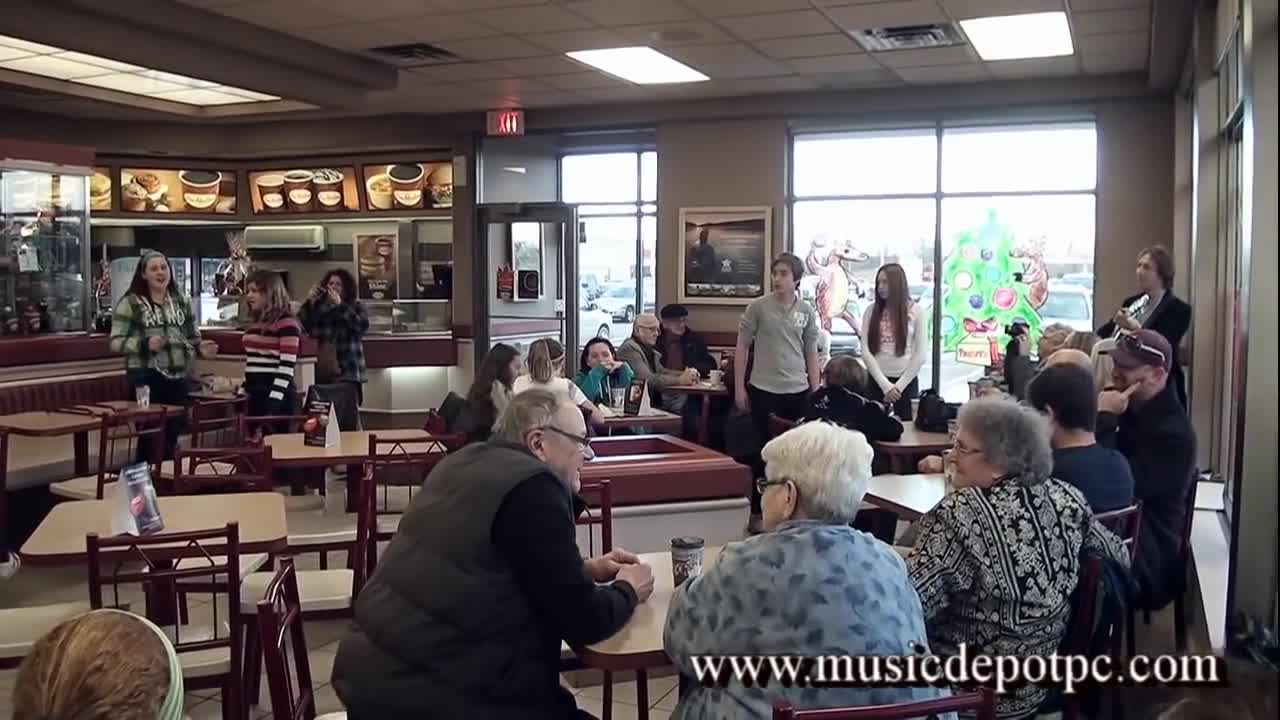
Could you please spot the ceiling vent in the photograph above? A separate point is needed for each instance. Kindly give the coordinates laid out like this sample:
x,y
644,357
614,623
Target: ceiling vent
x,y
413,54
909,37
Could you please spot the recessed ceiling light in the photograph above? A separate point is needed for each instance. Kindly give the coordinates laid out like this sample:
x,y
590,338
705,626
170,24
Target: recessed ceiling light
x,y
62,64
640,65
1015,37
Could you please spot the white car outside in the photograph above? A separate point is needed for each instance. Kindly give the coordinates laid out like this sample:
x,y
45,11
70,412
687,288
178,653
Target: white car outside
x,y
595,323
1070,305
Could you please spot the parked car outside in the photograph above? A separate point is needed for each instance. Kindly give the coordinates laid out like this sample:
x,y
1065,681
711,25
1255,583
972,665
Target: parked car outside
x,y
1084,280
619,301
1068,304
589,288
596,323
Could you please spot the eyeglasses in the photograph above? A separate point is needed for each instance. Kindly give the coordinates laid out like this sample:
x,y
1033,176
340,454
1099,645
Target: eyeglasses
x,y
763,484
961,449
1132,343
583,443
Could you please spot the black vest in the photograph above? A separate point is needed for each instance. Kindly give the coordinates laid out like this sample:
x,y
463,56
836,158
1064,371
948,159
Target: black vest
x,y
441,629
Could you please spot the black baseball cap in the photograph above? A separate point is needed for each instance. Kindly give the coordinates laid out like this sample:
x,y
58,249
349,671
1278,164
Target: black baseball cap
x,y
674,312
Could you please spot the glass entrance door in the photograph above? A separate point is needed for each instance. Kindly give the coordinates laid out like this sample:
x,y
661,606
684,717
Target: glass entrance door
x,y
526,259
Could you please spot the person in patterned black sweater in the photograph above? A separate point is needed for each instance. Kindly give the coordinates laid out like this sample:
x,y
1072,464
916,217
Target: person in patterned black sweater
x,y
270,347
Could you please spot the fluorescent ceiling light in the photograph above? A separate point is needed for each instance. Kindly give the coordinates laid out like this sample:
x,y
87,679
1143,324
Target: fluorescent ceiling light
x,y
61,64
640,65
1015,37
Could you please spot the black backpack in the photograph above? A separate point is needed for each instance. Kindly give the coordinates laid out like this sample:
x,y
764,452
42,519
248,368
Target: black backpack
x,y
933,413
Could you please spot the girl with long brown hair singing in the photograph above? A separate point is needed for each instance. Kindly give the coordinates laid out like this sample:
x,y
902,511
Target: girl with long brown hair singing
x,y
895,335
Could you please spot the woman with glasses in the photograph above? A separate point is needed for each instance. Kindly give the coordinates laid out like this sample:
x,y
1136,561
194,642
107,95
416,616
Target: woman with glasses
x,y
996,561
809,585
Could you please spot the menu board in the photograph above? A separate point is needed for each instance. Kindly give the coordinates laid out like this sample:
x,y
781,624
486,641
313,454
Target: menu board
x,y
376,261
100,189
328,189
409,186
177,191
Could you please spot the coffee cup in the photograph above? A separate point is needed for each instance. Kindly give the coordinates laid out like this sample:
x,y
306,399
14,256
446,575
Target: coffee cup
x,y
299,191
617,398
716,377
406,184
200,188
686,558
143,396
379,190
271,192
328,187
953,427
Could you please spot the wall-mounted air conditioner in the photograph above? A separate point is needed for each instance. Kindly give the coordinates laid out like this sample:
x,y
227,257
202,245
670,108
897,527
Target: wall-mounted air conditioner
x,y
309,238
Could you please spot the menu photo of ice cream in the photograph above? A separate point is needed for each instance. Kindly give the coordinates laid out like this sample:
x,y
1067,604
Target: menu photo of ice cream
x,y
409,186
304,190
177,191
376,266
100,189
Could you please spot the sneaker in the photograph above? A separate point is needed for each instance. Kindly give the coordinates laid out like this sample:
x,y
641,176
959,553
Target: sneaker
x,y
755,525
9,567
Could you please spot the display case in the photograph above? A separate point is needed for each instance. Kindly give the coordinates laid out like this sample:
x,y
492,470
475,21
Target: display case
x,y
44,250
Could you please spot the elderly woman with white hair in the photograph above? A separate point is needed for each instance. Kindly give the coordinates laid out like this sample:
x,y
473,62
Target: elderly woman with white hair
x,y
996,561
810,585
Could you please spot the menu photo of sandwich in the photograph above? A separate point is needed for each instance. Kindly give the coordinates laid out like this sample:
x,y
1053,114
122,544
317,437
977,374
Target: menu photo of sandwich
x,y
376,266
409,186
301,190
177,191
100,189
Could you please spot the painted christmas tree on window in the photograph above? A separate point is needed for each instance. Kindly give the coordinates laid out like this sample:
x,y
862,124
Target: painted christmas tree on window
x,y
982,296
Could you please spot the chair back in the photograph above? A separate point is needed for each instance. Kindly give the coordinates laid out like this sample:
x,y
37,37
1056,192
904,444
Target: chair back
x,y
399,467
364,553
600,495
283,641
213,562
235,469
1126,523
251,425
216,422
4,487
982,703
123,436
778,425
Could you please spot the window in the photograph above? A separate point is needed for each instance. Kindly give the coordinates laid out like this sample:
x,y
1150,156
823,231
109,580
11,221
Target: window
x,y
998,227
616,194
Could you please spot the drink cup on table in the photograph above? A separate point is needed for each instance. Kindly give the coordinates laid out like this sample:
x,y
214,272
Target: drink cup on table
x,y
143,396
617,397
716,377
686,558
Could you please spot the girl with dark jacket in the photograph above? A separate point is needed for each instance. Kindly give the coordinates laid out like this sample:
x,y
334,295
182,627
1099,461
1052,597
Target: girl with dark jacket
x,y
839,400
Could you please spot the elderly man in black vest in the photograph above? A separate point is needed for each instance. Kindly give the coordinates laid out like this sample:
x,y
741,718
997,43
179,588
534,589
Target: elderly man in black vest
x,y
464,616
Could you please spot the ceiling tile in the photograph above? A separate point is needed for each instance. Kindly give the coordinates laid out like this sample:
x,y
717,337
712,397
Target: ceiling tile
x,y
550,65
660,35
286,15
577,40
437,28
729,60
1090,5
888,14
612,13
723,52
462,72
1120,59
957,54
865,78
727,8
1091,44
1111,21
780,83
538,18
502,47
626,93
582,81
775,25
358,36
964,9
833,64
509,87
809,46
943,74
380,10
460,5
1038,67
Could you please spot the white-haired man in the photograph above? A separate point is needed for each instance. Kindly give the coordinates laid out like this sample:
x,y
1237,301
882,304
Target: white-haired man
x,y
640,351
465,613
808,584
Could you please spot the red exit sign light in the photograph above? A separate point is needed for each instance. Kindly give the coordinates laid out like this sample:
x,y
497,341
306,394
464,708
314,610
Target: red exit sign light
x,y
506,122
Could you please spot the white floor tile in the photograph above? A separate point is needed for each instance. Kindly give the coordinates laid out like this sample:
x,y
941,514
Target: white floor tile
x,y
625,692
621,711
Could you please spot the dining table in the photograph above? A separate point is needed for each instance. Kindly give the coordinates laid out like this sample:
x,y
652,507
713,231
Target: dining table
x,y
913,445
653,421
77,421
909,496
707,390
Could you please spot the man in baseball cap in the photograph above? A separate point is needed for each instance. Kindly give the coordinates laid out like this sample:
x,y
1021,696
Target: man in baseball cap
x,y
1143,418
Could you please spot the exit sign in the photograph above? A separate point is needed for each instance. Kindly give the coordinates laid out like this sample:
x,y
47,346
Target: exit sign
x,y
506,122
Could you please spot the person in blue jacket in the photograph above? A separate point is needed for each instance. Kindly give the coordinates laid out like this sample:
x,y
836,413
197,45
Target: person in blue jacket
x,y
599,371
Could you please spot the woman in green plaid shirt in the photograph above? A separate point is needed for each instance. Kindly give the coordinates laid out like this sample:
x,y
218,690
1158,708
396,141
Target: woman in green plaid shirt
x,y
155,330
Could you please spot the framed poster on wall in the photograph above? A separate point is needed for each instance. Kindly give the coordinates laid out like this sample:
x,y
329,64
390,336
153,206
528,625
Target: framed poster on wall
x,y
151,190
376,271
724,254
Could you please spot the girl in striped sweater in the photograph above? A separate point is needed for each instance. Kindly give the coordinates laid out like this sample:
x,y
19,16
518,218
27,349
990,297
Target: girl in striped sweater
x,y
270,346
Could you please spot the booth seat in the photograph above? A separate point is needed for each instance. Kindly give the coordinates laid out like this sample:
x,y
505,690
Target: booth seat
x,y
52,393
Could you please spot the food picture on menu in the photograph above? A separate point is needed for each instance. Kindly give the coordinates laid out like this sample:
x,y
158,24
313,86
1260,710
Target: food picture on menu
x,y
409,186
331,189
177,191
100,189
376,266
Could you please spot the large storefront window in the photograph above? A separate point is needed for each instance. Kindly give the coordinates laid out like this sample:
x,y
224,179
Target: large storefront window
x,y
616,195
998,228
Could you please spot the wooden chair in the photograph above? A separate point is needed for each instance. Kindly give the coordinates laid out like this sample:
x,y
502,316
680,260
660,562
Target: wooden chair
x,y
322,594
120,437
1184,562
397,468
779,425
1126,523
982,703
1079,635
210,654
211,424
280,634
